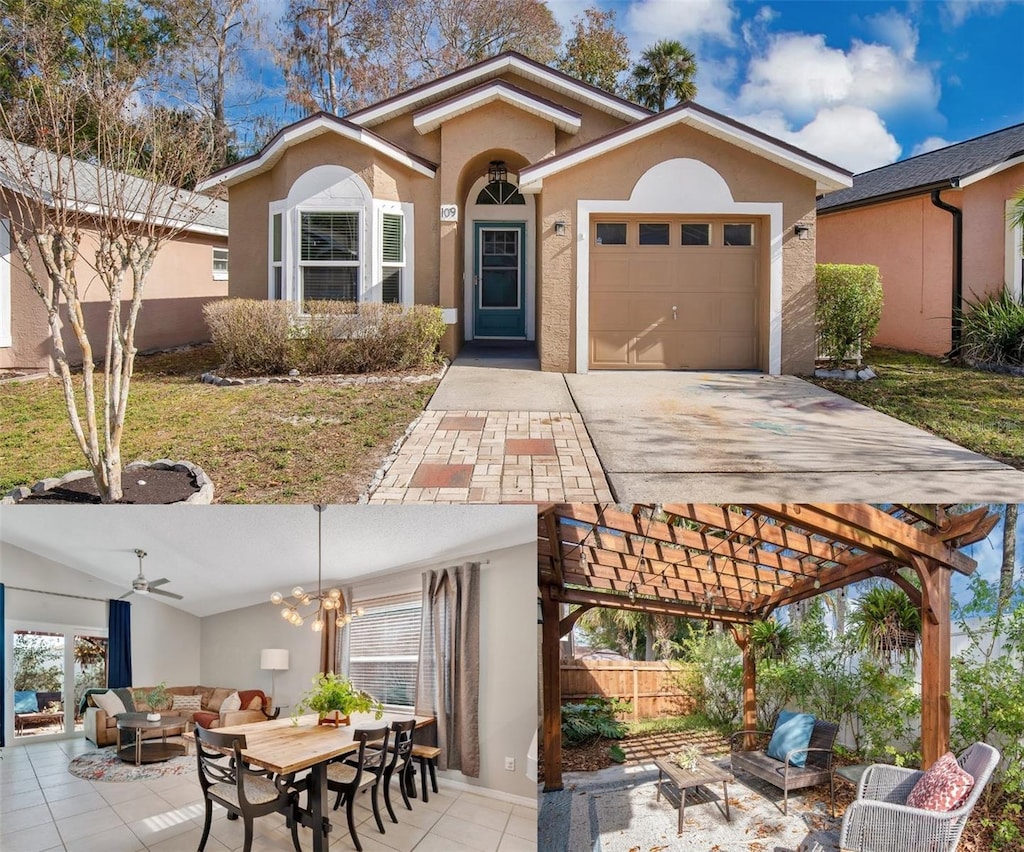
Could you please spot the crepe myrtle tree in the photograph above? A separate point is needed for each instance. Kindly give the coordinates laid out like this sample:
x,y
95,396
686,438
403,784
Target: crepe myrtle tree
x,y
92,210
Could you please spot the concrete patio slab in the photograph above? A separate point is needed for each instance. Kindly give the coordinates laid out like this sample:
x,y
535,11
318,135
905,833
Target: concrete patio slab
x,y
720,437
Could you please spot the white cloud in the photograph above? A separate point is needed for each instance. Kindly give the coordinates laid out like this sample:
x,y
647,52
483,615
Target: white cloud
x,y
799,74
895,30
932,143
955,12
565,10
690,22
853,137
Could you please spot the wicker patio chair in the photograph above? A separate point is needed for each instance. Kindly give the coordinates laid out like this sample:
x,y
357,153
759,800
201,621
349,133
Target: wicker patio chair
x,y
879,821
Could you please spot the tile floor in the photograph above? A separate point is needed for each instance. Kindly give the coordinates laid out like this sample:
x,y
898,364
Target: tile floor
x,y
44,807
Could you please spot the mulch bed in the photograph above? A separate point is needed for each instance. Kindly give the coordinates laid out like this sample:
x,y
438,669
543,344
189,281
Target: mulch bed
x,y
150,486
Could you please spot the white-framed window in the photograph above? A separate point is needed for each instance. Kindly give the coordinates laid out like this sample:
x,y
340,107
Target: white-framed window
x,y
330,255
276,257
384,647
5,283
220,264
392,257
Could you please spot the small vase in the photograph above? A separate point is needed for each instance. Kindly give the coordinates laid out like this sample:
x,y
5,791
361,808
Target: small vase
x,y
152,717
333,718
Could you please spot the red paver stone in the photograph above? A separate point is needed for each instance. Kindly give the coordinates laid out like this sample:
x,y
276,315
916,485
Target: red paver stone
x,y
442,476
462,424
529,447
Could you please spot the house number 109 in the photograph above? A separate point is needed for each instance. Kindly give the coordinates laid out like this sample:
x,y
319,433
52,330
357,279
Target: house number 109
x,y
449,212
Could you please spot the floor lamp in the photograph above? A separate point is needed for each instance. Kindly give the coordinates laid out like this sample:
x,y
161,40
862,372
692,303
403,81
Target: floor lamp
x,y
276,660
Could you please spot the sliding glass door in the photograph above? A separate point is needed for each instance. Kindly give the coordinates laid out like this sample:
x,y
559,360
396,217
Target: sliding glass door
x,y
51,667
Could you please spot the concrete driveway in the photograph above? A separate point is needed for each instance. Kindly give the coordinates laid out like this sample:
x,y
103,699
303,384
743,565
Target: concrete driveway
x,y
720,437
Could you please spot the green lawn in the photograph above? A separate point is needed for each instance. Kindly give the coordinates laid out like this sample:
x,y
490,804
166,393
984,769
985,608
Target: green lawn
x,y
260,444
976,409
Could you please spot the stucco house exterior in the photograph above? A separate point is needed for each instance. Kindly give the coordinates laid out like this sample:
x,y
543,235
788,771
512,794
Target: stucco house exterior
x,y
189,270
936,227
531,206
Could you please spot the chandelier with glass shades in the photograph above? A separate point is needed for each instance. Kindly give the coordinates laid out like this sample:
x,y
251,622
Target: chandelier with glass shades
x,y
329,604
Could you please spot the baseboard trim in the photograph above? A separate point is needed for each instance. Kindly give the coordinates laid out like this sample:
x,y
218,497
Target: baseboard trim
x,y
487,792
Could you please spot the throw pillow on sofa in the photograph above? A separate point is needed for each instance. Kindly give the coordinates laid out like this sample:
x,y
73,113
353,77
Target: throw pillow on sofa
x,y
25,701
217,699
792,731
109,703
944,787
186,703
231,703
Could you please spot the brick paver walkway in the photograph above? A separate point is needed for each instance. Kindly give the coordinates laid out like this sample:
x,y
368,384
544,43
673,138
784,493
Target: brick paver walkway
x,y
495,457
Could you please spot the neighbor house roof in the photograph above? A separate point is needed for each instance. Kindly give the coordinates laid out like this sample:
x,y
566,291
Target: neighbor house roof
x,y
827,176
309,128
473,75
190,211
435,115
952,167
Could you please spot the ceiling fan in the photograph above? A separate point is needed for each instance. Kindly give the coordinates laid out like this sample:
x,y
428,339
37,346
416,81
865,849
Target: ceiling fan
x,y
143,586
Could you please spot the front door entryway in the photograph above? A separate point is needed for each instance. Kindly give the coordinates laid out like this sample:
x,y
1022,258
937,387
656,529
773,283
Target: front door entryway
x,y
499,280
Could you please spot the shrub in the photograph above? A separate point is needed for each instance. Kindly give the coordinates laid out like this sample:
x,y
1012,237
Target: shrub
x,y
251,336
849,308
993,331
719,678
593,717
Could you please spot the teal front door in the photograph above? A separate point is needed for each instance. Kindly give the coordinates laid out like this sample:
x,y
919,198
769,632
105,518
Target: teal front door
x,y
499,280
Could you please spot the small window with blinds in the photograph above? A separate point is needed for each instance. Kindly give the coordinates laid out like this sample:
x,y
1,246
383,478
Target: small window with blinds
x,y
384,646
392,241
276,265
329,255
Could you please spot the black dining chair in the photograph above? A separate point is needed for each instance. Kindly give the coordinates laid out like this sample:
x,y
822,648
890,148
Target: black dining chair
x,y
365,771
246,793
400,763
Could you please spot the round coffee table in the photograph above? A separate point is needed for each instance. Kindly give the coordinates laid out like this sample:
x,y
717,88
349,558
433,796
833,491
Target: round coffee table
x,y
151,750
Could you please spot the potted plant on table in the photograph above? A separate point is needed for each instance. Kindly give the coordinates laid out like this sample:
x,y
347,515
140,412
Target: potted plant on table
x,y
157,699
333,697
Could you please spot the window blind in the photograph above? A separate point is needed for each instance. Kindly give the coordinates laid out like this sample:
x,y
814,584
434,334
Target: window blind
x,y
384,647
391,238
330,237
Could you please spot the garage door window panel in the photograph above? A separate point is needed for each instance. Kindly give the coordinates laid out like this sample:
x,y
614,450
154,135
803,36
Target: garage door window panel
x,y
738,235
696,235
654,233
610,233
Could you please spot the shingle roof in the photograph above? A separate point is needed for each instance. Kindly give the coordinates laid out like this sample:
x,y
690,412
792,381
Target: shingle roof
x,y
195,212
944,167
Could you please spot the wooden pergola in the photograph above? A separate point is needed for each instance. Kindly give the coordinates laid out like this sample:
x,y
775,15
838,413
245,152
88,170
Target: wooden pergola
x,y
738,563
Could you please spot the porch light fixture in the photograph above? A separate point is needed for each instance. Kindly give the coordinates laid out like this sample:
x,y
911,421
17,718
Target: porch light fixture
x,y
325,604
560,228
497,172
802,231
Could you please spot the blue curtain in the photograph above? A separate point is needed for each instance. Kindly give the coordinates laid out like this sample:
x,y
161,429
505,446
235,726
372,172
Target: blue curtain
x,y
119,649
3,672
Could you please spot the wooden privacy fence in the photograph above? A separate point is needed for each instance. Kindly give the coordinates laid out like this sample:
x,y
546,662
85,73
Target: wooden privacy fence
x,y
655,689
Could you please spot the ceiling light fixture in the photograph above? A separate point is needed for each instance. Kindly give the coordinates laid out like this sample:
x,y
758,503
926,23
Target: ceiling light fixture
x,y
330,604
631,591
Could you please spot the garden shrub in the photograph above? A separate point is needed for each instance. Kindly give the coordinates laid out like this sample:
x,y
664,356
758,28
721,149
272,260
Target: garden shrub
x,y
993,331
719,675
594,717
252,336
849,307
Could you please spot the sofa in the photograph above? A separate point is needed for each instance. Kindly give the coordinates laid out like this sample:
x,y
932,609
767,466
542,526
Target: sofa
x,y
101,728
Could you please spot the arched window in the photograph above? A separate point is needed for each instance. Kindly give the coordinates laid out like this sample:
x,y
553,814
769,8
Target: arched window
x,y
500,192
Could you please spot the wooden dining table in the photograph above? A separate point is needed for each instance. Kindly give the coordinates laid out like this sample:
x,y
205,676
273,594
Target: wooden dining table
x,y
286,746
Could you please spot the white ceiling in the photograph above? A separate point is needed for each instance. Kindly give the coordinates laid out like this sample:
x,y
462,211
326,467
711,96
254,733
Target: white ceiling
x,y
225,557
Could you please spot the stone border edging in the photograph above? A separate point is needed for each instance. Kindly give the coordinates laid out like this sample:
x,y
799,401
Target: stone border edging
x,y
202,497
864,374
338,380
392,456
989,367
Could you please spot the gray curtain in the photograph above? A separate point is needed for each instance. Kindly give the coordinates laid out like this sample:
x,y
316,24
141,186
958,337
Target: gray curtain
x,y
448,680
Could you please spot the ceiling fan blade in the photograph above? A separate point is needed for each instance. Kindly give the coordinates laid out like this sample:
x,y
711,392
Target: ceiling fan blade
x,y
126,594
159,582
153,591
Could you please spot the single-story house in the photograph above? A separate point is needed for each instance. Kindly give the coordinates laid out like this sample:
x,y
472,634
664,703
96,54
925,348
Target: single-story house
x,y
936,226
190,270
531,206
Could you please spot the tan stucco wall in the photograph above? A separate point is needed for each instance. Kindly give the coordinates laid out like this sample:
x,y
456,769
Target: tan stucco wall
x,y
911,242
178,286
612,177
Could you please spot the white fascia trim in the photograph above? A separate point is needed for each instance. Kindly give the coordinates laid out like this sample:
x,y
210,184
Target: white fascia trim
x,y
826,180
988,172
433,117
269,156
584,210
605,103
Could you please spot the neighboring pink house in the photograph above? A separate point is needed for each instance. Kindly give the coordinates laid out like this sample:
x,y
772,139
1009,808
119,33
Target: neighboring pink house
x,y
936,227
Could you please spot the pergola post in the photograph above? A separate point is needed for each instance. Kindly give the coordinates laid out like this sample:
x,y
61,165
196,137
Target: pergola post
x,y
935,659
552,686
742,637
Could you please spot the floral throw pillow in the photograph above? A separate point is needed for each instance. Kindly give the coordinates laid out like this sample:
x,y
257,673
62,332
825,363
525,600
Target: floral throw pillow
x,y
944,787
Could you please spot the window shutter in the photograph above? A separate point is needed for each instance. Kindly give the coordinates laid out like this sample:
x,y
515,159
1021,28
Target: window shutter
x,y
391,238
384,647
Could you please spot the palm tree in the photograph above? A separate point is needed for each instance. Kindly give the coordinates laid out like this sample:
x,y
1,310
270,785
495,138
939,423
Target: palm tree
x,y
666,69
1016,214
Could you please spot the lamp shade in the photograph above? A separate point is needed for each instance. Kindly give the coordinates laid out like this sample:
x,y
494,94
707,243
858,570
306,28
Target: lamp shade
x,y
274,658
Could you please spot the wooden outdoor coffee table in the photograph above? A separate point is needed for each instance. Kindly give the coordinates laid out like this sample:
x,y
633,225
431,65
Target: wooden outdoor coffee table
x,y
705,773
150,751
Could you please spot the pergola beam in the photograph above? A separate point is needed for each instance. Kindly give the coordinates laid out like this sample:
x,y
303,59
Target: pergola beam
x,y
642,604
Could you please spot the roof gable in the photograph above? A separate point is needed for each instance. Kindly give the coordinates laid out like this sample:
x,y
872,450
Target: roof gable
x,y
309,128
954,166
433,116
827,176
466,78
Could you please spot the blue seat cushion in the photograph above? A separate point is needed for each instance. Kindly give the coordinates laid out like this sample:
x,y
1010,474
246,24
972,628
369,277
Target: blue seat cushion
x,y
25,701
792,731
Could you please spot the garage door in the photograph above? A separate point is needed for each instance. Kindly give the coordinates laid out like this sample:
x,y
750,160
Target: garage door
x,y
673,293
